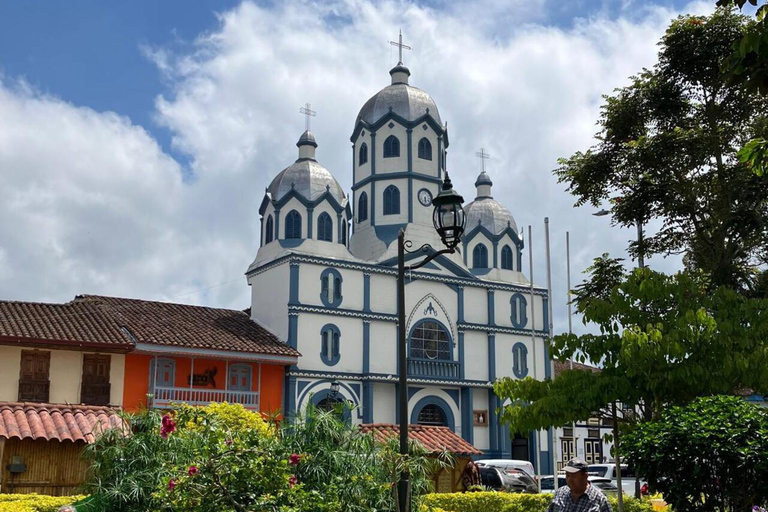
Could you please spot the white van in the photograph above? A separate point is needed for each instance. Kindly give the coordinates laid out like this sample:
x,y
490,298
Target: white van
x,y
609,471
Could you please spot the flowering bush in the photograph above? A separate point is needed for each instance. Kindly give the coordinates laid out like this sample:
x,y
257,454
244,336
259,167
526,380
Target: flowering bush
x,y
34,502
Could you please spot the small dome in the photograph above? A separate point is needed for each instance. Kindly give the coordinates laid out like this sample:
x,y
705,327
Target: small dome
x,y
489,213
404,100
307,139
483,179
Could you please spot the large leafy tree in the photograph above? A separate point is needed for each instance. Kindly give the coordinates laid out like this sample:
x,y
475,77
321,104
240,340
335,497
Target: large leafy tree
x,y
667,149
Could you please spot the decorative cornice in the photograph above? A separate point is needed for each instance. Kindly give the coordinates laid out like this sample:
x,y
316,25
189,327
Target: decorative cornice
x,y
341,312
382,377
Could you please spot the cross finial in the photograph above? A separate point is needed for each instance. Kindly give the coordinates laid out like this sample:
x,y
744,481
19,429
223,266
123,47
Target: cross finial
x,y
308,112
400,47
483,156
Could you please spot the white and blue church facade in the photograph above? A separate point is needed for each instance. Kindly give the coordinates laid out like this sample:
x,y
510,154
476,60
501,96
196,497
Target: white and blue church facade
x,y
324,280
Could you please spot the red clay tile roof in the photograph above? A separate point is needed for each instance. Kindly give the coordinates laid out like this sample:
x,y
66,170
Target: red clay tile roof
x,y
56,422
78,322
560,367
185,326
435,439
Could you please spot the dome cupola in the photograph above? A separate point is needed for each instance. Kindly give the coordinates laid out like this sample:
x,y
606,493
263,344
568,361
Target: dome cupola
x,y
401,98
486,211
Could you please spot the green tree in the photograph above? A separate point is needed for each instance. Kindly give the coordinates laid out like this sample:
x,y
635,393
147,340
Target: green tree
x,y
709,455
667,149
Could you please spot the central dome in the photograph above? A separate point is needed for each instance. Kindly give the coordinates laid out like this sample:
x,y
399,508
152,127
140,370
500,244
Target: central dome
x,y
400,98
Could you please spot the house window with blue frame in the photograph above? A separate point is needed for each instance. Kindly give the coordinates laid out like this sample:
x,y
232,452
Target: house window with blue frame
x,y
391,147
324,228
480,256
425,149
518,316
293,225
430,340
506,258
268,236
329,344
391,200
362,207
363,156
330,287
239,377
520,360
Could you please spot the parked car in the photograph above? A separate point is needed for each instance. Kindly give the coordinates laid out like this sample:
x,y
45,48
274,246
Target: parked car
x,y
506,464
512,480
605,485
627,476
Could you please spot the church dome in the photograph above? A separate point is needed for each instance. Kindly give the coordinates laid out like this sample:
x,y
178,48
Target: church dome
x,y
306,175
486,211
402,99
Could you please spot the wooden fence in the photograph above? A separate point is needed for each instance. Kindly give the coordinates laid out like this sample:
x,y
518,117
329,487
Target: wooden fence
x,y
52,467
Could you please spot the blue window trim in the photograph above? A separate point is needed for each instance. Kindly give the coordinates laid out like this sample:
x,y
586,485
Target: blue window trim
x,y
520,360
292,223
391,147
443,327
236,366
391,200
518,323
442,404
270,230
363,157
480,256
158,361
507,260
324,227
362,207
332,302
335,339
425,149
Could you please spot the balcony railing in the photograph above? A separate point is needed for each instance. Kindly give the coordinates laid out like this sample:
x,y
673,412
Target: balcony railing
x,y
434,369
164,397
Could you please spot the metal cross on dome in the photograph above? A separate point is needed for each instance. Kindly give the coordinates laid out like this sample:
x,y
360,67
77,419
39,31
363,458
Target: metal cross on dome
x,y
483,156
400,47
308,112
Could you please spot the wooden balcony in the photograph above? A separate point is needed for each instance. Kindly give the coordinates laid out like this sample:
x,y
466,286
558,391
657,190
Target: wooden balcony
x,y
433,369
164,397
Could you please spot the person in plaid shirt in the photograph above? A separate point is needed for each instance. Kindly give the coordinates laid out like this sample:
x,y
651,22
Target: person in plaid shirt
x,y
578,495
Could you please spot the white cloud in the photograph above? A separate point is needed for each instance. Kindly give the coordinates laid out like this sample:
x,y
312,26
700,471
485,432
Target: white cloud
x,y
95,206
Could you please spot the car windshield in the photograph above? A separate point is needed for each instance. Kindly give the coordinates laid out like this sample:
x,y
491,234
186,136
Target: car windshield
x,y
598,470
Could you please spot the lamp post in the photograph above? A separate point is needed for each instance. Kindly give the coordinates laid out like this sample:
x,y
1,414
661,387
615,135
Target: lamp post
x,y
448,218
335,386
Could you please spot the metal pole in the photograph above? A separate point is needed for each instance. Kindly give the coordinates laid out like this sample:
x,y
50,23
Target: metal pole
x,y
536,436
640,251
570,321
403,484
550,326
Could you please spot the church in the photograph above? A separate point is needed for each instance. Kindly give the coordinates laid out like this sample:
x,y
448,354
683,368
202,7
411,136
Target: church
x,y
324,280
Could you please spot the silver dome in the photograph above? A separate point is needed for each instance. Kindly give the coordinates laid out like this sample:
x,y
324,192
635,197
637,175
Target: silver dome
x,y
308,178
491,214
405,100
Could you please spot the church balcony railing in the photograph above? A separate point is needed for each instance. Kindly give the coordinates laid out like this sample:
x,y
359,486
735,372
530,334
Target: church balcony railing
x,y
431,368
164,397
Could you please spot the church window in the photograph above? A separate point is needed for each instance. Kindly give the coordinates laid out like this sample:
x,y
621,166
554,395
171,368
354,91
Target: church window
x,y
506,258
269,236
363,155
391,147
362,207
325,228
293,225
480,256
329,344
425,149
391,200
344,232
431,414
518,316
520,360
330,288
430,340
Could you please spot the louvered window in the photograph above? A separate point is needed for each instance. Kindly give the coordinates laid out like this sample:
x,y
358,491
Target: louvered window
x,y
95,387
34,384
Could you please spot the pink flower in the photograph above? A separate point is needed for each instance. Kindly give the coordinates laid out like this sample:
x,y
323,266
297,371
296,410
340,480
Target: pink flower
x,y
171,484
293,480
168,426
228,442
294,459
192,470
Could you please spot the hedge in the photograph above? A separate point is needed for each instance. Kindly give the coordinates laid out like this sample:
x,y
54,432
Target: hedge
x,y
511,502
34,502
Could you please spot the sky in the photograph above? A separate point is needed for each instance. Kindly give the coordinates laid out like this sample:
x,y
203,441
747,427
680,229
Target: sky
x,y
137,138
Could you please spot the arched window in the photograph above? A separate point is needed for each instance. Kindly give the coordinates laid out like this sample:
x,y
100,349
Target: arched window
x,y
363,155
425,149
269,235
293,225
519,316
391,200
329,344
330,288
430,340
391,147
362,207
506,258
520,360
480,256
325,228
344,232
432,414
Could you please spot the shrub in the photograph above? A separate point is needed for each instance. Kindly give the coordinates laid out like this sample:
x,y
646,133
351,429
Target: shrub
x,y
511,502
34,502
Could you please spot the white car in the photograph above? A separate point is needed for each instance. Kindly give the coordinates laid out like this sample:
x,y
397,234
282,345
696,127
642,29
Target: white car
x,y
608,470
604,485
507,464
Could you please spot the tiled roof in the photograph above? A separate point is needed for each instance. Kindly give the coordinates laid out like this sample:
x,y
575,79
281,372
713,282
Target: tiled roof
x,y
185,326
560,367
434,439
77,322
56,422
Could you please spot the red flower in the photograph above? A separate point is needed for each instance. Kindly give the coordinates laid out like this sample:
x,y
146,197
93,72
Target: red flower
x,y
294,459
293,480
168,426
171,484
192,470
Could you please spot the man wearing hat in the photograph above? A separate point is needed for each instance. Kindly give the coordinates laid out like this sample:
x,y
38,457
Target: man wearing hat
x,y
578,495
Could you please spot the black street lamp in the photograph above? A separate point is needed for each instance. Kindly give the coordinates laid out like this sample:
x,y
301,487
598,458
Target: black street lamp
x,y
449,220
334,390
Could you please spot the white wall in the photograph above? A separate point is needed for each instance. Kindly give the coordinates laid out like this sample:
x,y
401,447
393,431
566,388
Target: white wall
x,y
396,164
384,396
475,305
350,342
424,166
352,286
383,347
270,292
400,218
476,355
384,293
